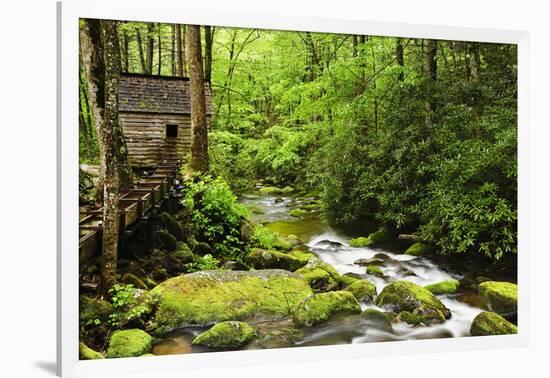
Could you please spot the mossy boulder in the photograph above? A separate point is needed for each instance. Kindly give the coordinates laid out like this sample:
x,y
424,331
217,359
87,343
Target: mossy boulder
x,y
185,256
297,213
133,280
171,224
410,318
374,270
377,319
380,236
362,290
268,259
282,245
316,262
317,308
319,280
165,240
401,296
91,309
203,248
429,314
129,343
420,249
270,190
87,353
360,242
287,190
230,334
491,323
499,297
246,231
214,296
444,287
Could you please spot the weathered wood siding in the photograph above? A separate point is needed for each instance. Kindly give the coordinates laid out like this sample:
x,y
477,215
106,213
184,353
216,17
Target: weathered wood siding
x,y
145,135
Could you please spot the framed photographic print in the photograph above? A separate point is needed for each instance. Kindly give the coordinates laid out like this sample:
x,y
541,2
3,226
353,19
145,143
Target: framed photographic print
x,y
251,187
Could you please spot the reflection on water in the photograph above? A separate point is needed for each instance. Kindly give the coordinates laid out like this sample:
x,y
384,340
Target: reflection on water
x,y
332,246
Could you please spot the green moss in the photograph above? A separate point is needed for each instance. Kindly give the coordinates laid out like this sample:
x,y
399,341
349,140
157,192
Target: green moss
x,y
267,259
406,296
171,224
149,282
360,242
410,318
287,190
185,256
132,279
298,212
129,343
230,334
215,296
282,245
163,239
380,236
346,280
362,290
86,353
499,297
419,249
269,190
255,209
444,287
429,314
91,309
377,319
490,323
311,206
374,270
320,307
302,256
318,279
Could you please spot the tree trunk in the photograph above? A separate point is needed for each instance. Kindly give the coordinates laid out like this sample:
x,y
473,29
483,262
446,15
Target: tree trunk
x,y
475,73
198,159
354,45
107,137
400,57
91,46
125,55
173,51
208,41
142,61
150,47
431,57
159,71
179,52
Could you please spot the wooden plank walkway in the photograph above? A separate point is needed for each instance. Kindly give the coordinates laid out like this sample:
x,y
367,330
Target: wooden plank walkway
x,y
135,204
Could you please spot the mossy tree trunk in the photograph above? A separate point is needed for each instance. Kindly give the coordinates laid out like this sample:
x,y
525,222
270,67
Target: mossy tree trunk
x,y
92,52
198,159
108,138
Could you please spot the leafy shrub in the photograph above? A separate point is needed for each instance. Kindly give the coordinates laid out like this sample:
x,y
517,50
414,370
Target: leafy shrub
x,y
206,262
130,305
263,238
216,216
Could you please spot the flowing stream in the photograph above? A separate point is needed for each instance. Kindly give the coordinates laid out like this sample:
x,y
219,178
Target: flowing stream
x,y
332,246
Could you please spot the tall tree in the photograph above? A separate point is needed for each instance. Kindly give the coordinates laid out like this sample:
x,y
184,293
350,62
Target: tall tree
x,y
142,61
150,47
173,50
475,74
431,71
198,159
159,71
399,57
180,67
208,41
108,138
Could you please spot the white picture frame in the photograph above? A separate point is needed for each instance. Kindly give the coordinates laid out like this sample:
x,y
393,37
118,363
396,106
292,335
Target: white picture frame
x,y
170,11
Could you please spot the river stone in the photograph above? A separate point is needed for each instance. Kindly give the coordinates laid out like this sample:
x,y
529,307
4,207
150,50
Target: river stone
x,y
366,262
268,259
230,334
214,296
362,290
129,343
419,249
87,353
401,296
91,309
490,323
317,308
444,287
499,297
318,279
377,319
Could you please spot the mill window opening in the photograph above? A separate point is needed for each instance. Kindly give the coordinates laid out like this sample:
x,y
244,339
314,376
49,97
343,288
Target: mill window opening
x,y
171,131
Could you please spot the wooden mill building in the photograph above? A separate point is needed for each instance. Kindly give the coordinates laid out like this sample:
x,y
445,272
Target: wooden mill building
x,y
155,113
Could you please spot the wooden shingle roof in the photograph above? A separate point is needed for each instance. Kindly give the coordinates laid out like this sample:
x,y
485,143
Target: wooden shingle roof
x,y
157,94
